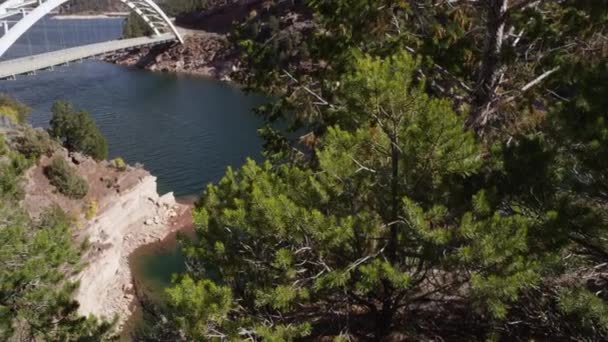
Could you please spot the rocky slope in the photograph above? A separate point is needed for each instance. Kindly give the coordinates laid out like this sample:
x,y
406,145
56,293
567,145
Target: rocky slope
x,y
207,49
95,7
128,213
205,54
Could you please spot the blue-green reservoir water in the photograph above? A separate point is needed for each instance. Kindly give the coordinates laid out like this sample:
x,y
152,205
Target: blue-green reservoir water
x,y
185,130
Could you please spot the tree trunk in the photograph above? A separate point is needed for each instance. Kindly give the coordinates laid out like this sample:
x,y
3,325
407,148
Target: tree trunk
x,y
395,201
384,321
484,96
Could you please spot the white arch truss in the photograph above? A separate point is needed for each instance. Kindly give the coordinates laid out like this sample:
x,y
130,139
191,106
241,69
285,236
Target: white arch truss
x,y
29,12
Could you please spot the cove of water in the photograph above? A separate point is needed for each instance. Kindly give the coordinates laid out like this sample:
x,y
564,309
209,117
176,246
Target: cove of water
x,y
185,130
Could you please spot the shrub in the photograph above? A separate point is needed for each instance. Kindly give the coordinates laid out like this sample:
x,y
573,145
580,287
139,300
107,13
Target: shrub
x,y
77,131
91,210
9,182
119,164
3,148
14,110
12,166
108,182
35,143
65,179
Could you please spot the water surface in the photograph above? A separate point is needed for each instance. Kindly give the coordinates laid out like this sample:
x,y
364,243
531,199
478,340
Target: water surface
x,y
185,130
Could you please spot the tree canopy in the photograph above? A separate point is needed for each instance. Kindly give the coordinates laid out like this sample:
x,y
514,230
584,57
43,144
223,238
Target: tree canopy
x,y
77,131
443,161
134,26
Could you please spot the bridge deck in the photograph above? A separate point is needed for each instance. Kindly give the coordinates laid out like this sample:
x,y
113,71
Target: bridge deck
x,y
47,60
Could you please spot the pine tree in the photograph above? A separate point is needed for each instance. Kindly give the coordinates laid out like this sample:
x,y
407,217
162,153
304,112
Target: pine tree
x,y
134,26
553,179
381,225
496,59
77,131
35,295
398,207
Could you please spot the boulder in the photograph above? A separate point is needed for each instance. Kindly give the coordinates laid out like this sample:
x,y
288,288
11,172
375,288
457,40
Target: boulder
x,y
77,158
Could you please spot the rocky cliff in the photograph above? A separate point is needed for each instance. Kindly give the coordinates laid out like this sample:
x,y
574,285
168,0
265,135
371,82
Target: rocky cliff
x,y
205,54
137,217
121,212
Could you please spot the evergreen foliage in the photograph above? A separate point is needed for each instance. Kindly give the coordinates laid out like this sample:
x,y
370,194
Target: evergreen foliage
x,y
119,164
65,179
13,109
35,296
484,55
12,165
34,143
77,131
135,26
176,7
450,166
384,222
37,258
3,147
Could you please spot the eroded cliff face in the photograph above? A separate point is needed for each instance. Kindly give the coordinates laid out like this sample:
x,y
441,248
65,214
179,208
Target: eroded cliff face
x,y
129,214
136,217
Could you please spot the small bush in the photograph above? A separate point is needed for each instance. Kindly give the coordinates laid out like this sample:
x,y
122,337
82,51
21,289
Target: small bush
x,y
108,182
54,216
3,148
12,166
9,182
14,110
119,164
91,210
35,143
65,179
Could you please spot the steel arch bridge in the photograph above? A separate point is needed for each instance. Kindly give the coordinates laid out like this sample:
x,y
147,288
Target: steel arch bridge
x,y
18,16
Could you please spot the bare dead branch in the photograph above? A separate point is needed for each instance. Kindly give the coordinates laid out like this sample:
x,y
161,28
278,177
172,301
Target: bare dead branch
x,y
322,101
533,83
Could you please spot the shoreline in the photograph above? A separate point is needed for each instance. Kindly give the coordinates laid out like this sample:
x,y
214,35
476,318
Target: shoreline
x,y
203,54
142,287
179,73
